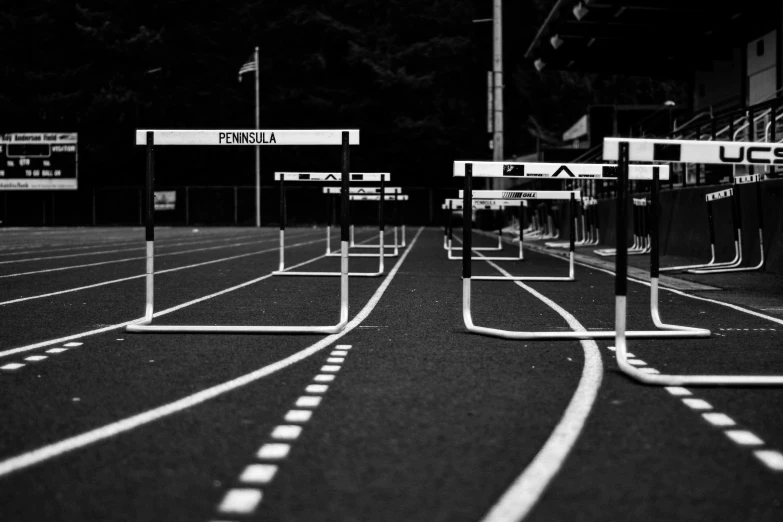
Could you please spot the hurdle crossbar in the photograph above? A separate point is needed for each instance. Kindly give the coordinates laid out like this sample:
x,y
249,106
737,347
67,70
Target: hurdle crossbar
x,y
702,154
150,138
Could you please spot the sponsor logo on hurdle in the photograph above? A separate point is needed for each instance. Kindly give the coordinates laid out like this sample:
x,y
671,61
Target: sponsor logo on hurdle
x,y
695,151
750,178
523,194
246,138
712,196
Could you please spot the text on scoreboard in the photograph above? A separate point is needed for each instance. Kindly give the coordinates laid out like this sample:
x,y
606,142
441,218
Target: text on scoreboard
x,y
39,161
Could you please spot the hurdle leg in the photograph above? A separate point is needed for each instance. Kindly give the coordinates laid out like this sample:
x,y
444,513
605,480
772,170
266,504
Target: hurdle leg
x,y
149,232
736,214
281,266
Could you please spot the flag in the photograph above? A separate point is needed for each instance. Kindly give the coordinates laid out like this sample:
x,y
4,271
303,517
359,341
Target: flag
x,y
249,66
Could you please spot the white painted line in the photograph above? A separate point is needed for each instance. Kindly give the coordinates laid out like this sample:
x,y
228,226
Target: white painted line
x,y
343,346
773,459
274,451
157,272
744,437
286,432
71,345
11,366
330,368
718,419
338,353
240,501
528,487
324,378
36,358
316,388
637,362
336,360
258,474
649,370
697,404
298,416
678,390
57,350
56,449
307,401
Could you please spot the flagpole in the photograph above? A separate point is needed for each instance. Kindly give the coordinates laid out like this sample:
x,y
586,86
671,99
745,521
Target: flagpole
x,y
258,150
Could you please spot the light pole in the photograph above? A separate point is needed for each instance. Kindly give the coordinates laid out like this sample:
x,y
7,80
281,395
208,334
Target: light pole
x,y
496,87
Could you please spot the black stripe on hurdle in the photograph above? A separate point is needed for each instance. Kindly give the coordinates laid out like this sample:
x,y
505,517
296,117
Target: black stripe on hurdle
x,y
621,257
654,211
150,187
346,169
667,152
467,224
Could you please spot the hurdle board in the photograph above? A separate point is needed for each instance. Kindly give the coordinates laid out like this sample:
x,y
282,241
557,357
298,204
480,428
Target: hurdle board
x,y
523,194
364,190
454,204
331,176
151,138
372,197
507,169
710,152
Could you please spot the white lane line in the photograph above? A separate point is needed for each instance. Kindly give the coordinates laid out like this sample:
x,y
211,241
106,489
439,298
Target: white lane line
x,y
744,437
637,362
298,415
718,419
70,345
697,404
308,401
316,388
240,501
36,358
157,272
678,390
128,259
118,251
56,449
343,347
286,432
771,458
330,368
335,360
274,451
338,353
57,350
156,314
258,474
11,366
528,487
649,370
324,378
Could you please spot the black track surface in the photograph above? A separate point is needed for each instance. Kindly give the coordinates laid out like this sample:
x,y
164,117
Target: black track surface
x,y
423,422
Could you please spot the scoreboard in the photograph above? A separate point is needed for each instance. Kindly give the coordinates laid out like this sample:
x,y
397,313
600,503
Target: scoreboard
x,y
38,161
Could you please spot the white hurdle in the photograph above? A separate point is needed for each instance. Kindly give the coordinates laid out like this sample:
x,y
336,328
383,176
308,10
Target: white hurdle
x,y
282,177
150,138
455,204
639,149
491,169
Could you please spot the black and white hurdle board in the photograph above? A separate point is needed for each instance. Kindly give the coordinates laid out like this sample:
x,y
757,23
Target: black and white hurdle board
x,y
151,138
709,152
510,169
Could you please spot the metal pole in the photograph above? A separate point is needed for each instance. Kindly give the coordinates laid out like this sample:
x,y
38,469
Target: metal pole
x,y
236,211
187,206
497,70
93,208
258,150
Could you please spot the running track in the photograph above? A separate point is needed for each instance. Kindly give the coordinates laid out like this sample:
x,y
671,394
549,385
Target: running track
x,y
404,417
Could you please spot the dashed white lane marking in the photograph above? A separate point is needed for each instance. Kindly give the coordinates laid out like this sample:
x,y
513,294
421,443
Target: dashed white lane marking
x,y
718,419
263,473
316,388
274,451
338,353
330,368
56,449
298,415
637,362
678,390
240,501
697,404
308,401
72,344
335,360
324,378
286,432
258,474
773,459
11,366
744,437
36,358
57,350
